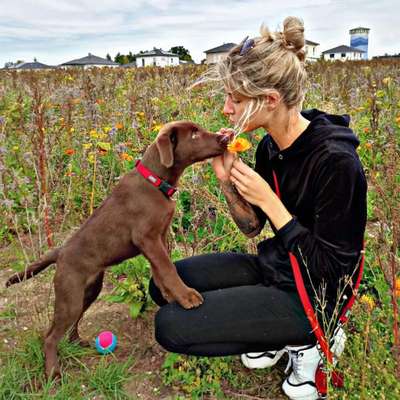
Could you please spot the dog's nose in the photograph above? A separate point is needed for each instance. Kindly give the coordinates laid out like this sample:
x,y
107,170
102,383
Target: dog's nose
x,y
224,139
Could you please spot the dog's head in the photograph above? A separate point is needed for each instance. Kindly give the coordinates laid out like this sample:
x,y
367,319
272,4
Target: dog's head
x,y
183,143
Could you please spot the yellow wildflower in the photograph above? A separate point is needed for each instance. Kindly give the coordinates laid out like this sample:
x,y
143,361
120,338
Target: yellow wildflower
x,y
157,127
87,146
119,125
91,157
239,145
368,301
93,134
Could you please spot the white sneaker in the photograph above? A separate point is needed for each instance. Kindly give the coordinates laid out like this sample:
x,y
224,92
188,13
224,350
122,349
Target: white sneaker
x,y
262,360
300,384
304,360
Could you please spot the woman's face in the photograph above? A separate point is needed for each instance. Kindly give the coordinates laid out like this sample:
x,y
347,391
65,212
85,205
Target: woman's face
x,y
235,105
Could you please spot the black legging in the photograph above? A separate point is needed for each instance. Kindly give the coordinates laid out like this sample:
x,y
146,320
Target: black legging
x,y
240,313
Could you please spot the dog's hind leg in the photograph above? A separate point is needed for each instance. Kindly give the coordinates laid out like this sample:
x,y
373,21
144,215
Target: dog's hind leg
x,y
69,285
92,290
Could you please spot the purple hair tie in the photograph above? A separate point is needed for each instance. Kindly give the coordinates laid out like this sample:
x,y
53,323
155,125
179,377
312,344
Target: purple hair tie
x,y
247,45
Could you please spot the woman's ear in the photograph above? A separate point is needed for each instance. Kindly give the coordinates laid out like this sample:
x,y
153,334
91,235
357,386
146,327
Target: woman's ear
x,y
272,99
164,143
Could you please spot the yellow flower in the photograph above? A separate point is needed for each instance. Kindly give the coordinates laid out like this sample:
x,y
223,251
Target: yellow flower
x,y
93,134
91,157
398,120
15,148
157,127
87,146
72,130
119,125
368,301
239,145
105,146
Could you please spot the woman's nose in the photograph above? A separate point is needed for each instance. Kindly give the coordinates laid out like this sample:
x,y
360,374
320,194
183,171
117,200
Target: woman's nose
x,y
228,109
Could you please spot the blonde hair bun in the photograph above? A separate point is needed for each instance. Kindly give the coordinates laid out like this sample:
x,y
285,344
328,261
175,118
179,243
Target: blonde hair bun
x,y
293,36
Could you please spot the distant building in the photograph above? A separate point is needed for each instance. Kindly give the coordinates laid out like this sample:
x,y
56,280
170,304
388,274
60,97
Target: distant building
x,y
343,53
359,40
217,54
27,66
157,57
89,61
312,51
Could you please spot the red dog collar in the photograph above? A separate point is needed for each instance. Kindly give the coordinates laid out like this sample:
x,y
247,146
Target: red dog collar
x,y
164,186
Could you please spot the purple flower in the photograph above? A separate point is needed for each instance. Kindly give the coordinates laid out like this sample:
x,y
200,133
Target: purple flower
x,y
3,150
2,120
121,148
112,131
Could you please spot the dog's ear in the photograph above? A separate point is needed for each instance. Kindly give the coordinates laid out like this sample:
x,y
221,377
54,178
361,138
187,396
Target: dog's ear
x,y
165,144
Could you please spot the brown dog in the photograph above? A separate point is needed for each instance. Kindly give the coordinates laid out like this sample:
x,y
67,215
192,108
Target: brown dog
x,y
133,220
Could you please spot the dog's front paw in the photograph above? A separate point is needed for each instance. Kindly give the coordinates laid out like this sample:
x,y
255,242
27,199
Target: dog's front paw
x,y
190,299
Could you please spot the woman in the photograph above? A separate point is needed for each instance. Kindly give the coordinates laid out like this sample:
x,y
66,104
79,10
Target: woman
x,y
251,306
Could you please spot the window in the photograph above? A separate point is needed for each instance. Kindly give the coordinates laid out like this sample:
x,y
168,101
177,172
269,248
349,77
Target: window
x,y
343,55
142,62
331,55
172,60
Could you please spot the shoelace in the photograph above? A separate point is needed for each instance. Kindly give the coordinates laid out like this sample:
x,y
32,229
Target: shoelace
x,y
295,362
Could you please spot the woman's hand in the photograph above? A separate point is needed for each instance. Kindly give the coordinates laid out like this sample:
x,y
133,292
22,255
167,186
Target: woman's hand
x,y
222,164
251,186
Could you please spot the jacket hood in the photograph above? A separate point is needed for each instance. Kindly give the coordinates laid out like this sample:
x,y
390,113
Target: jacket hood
x,y
322,127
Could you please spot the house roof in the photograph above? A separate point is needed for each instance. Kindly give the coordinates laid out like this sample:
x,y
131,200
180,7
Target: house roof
x,y
156,52
221,49
360,28
309,42
343,49
90,59
31,65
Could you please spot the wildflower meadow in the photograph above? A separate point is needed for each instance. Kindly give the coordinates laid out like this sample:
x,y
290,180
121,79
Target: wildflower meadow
x,y
66,138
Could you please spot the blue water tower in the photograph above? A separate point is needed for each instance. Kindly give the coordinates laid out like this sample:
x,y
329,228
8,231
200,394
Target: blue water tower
x,y
359,40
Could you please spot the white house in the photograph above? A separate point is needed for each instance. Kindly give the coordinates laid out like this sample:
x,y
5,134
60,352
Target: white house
x,y
156,57
88,62
312,51
343,53
217,54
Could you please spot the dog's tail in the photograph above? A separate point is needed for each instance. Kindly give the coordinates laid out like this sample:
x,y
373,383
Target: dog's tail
x,y
35,268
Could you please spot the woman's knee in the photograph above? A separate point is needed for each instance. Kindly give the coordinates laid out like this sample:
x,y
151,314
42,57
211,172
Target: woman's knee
x,y
168,331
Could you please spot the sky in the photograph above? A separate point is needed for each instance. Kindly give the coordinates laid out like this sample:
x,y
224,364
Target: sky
x,y
57,31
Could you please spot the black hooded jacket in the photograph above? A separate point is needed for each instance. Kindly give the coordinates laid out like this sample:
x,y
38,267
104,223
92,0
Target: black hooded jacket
x,y
322,184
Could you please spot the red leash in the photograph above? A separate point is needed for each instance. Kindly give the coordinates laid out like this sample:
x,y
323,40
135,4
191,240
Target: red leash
x,y
337,378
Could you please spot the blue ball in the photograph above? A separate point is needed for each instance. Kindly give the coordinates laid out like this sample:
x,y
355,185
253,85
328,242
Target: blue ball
x,y
106,342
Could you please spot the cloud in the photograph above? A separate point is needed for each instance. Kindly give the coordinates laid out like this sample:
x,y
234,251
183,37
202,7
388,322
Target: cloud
x,y
56,32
